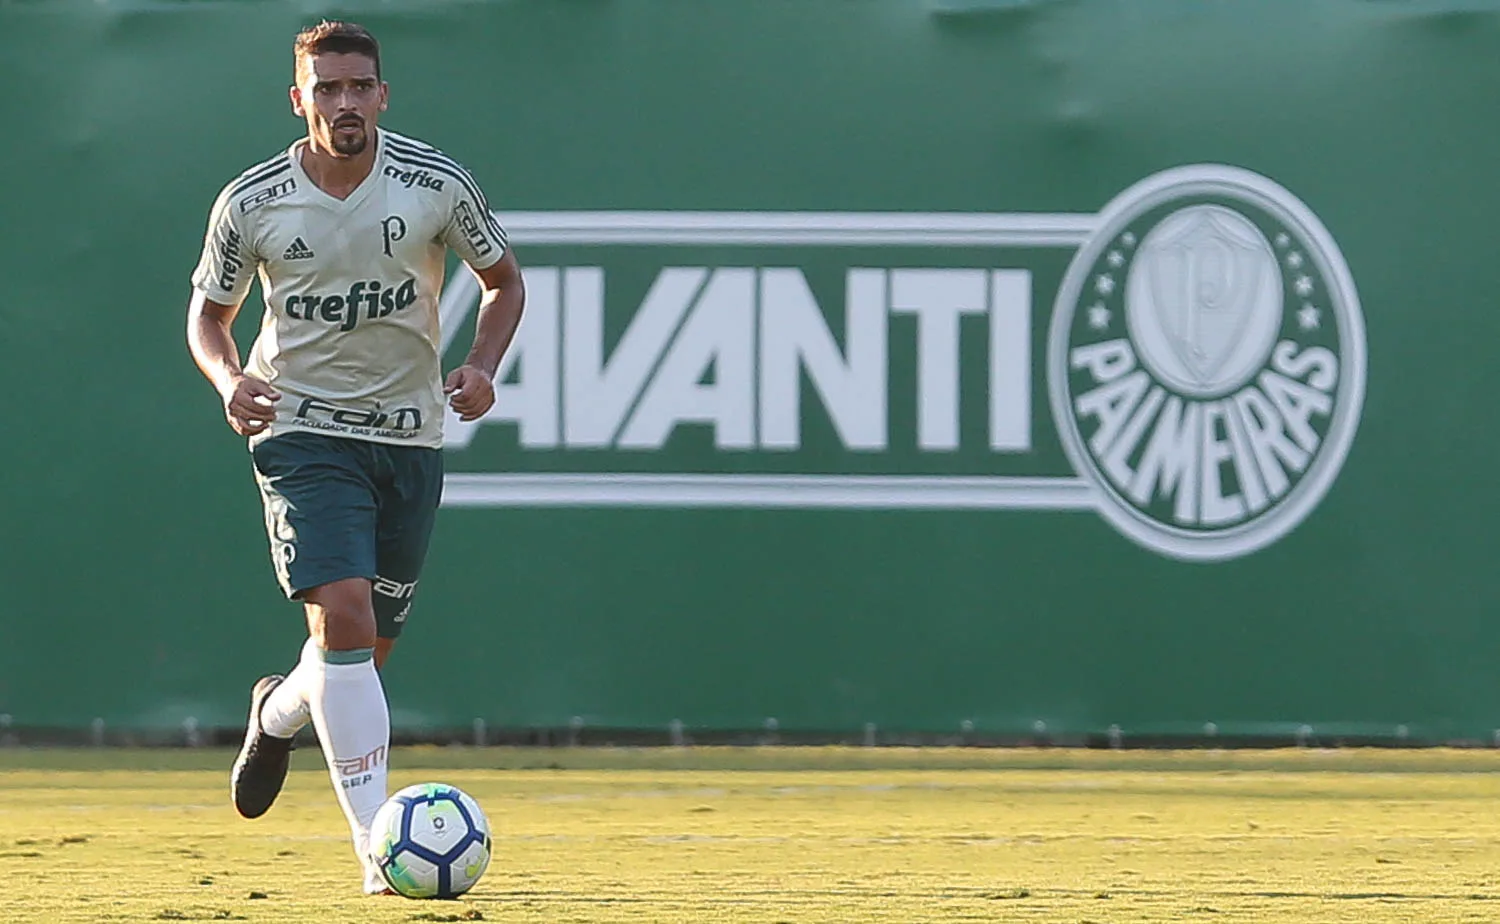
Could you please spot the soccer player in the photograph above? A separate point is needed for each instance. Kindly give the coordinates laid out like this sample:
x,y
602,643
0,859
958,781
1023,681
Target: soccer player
x,y
342,399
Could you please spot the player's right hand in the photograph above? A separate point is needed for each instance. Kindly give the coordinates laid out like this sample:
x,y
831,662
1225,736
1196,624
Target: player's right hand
x,y
250,405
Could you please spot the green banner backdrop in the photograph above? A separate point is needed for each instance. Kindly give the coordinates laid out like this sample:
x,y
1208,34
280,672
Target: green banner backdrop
x,y
936,365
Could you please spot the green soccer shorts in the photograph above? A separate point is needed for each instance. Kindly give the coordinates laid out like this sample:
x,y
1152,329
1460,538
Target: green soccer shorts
x,y
340,508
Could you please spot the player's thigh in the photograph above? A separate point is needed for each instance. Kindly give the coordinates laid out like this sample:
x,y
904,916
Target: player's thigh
x,y
321,509
409,500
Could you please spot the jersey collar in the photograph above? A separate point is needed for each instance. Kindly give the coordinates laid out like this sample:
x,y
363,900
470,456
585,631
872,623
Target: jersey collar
x,y
314,191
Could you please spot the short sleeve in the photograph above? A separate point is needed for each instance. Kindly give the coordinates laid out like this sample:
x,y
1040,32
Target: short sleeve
x,y
473,231
227,266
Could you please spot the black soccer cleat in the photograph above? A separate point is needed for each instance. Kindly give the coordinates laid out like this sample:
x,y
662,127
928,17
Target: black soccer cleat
x,y
261,767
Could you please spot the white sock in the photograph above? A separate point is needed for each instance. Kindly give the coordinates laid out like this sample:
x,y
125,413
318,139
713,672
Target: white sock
x,y
285,711
354,728
374,882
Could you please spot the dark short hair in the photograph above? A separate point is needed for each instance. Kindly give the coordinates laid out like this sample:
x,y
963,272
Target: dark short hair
x,y
335,37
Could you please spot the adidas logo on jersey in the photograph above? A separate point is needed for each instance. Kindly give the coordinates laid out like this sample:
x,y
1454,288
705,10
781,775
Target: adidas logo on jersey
x,y
298,251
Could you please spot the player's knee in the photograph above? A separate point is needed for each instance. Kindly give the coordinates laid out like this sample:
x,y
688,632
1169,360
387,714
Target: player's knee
x,y
340,616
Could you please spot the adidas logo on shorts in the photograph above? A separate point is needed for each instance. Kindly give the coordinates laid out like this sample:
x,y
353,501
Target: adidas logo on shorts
x,y
298,251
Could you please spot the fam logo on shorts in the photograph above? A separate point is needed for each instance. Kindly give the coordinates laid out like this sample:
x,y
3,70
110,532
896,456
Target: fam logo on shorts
x,y
1206,362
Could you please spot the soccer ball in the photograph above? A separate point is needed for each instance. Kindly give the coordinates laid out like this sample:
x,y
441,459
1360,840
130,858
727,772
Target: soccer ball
x,y
431,840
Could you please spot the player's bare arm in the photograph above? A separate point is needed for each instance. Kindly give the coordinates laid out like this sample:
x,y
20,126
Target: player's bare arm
x,y
249,403
470,387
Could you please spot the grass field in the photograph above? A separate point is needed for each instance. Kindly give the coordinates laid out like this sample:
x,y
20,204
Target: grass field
x,y
784,835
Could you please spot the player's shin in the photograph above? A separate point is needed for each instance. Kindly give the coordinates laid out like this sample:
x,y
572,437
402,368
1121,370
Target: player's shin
x,y
349,711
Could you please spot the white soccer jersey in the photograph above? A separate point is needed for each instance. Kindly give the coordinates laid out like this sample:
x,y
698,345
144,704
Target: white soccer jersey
x,y
350,330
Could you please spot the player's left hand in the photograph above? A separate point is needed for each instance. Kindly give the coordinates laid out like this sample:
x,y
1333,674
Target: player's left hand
x,y
470,392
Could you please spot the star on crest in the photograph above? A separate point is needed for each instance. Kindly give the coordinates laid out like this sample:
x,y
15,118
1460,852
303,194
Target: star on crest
x,y
1128,239
1098,316
1105,284
1309,318
1116,259
1283,240
1304,286
1294,260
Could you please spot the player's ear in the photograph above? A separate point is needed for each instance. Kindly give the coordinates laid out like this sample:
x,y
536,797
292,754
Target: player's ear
x,y
295,94
385,95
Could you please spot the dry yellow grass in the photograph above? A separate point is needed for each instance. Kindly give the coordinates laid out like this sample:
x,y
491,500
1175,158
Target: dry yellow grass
x,y
784,835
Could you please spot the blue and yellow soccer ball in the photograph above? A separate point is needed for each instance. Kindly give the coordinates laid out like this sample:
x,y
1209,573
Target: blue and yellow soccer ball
x,y
431,840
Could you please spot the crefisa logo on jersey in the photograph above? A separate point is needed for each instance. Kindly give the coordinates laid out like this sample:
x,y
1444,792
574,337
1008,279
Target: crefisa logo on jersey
x,y
1204,368
342,309
1206,362
419,178
229,258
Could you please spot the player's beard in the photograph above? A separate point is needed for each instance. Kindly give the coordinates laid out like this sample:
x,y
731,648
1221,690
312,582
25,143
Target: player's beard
x,y
349,145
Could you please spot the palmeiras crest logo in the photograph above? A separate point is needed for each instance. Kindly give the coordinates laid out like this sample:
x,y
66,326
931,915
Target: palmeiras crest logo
x,y
1206,362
